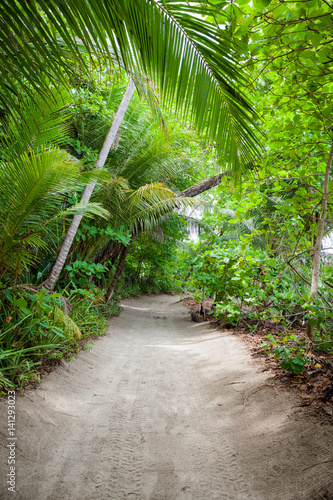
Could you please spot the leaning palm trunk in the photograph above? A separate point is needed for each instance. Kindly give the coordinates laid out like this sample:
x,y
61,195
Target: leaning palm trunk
x,y
112,250
317,251
190,192
70,235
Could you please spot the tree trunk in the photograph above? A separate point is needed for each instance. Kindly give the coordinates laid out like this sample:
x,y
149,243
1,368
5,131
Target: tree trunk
x,y
119,270
192,191
202,186
317,250
138,271
110,252
70,235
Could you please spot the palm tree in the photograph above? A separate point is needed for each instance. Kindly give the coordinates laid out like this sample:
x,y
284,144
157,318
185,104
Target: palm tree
x,y
49,284
145,161
145,156
183,54
36,177
169,43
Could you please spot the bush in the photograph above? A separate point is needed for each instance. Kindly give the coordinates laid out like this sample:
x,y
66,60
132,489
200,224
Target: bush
x,y
34,328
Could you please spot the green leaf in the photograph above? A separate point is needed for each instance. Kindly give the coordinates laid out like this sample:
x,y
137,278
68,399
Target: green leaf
x,y
9,296
298,361
316,38
310,3
261,4
26,311
284,99
325,52
21,303
307,54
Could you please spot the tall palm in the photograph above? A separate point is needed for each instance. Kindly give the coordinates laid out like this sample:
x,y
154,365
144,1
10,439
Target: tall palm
x,y
51,281
145,160
145,157
185,56
168,42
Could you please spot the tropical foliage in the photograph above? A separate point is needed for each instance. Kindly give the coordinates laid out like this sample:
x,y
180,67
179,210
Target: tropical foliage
x,y
165,42
257,256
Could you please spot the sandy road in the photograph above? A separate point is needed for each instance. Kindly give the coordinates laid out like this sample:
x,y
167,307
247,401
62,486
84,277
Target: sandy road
x,y
164,409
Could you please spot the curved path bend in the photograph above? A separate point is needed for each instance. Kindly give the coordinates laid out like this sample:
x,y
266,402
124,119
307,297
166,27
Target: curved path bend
x,y
164,409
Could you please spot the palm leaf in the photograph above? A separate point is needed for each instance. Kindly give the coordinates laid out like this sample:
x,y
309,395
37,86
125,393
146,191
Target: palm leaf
x,y
169,42
34,187
36,123
149,203
61,319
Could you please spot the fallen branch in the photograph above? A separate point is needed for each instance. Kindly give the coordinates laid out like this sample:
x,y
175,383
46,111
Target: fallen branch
x,y
232,383
318,463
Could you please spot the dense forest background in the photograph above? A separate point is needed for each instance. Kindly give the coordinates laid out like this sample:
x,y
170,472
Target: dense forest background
x,y
122,128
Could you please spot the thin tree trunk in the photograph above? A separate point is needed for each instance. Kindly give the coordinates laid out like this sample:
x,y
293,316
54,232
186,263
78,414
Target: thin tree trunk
x,y
138,271
110,252
189,274
70,235
317,250
119,270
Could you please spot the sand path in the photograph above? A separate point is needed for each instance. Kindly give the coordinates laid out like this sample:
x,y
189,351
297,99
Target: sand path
x,y
164,409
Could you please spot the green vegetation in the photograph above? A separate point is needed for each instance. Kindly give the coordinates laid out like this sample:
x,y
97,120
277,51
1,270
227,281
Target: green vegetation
x,y
259,174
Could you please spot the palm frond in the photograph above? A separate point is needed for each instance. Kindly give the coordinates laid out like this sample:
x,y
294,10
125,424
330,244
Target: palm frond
x,y
38,180
87,209
34,187
169,42
149,203
146,153
60,318
36,123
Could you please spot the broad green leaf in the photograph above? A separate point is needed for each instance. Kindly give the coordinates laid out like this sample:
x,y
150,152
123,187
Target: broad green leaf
x,y
261,4
21,303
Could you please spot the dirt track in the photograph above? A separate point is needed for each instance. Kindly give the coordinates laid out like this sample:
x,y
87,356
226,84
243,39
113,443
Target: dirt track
x,y
164,409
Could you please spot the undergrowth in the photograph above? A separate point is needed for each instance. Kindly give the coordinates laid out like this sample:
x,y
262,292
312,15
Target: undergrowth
x,y
37,332
147,286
